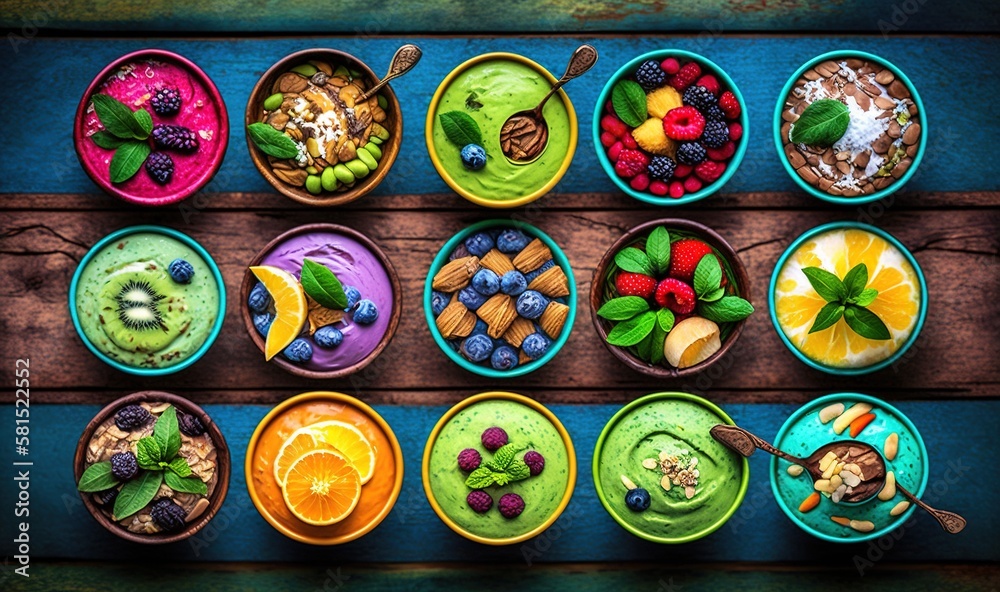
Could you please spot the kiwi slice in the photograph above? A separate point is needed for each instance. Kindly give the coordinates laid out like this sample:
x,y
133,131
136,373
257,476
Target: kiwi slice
x,y
141,309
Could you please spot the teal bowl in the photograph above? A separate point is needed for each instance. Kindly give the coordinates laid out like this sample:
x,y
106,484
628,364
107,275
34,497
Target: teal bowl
x,y
780,145
792,490
921,315
442,258
189,242
707,66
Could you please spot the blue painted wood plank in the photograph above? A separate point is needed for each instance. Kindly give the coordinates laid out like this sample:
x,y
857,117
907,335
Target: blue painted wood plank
x,y
959,435
39,157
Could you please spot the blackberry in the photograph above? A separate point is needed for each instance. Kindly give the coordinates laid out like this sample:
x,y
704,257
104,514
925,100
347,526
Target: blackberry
x,y
160,166
690,153
190,425
107,497
714,113
174,137
650,75
131,417
662,167
167,515
716,134
699,97
124,466
166,101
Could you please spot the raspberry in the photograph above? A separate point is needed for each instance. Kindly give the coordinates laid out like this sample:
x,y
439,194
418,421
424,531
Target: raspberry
x,y
685,255
670,65
709,82
729,105
617,127
631,163
131,417
686,76
166,101
692,184
683,123
124,465
607,139
710,171
676,189
469,460
683,170
614,151
721,154
167,514
640,182
662,167
479,501
735,132
659,188
690,153
634,284
535,462
716,134
511,505
649,75
493,438
174,137
676,295
629,142
699,97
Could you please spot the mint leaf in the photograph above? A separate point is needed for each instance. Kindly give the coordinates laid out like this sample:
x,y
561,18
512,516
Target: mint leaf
x,y
725,310
866,297
659,336
271,141
179,466
714,295
644,349
822,123
322,285
505,454
665,319
461,128
107,140
866,323
630,332
190,484
167,434
481,478
493,466
135,494
707,275
501,479
148,453
633,260
622,308
145,121
658,249
827,316
828,286
97,477
128,159
629,102
117,118
518,470
856,280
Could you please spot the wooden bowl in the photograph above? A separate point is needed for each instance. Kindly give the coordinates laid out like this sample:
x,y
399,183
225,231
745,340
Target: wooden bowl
x,y
390,149
597,294
222,467
397,299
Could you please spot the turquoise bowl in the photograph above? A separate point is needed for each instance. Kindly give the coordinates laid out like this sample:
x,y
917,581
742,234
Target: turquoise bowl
x,y
442,258
846,224
888,419
780,144
180,236
707,66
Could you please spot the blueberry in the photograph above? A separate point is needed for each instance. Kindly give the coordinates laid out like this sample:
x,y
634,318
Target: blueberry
x,y
353,296
531,275
480,328
181,271
477,347
473,157
459,252
535,345
259,298
504,358
470,298
328,336
486,282
366,313
637,499
479,244
262,322
531,304
439,301
298,351
513,283
512,241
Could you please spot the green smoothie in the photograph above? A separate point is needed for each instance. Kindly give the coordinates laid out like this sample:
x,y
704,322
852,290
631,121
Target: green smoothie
x,y
542,493
132,310
490,92
669,428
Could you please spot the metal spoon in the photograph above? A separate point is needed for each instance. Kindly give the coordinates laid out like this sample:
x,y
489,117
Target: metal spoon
x,y
865,455
525,134
403,60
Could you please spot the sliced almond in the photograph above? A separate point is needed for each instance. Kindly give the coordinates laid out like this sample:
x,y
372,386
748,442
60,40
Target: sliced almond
x,y
794,470
827,460
845,419
891,446
889,489
862,525
665,483
628,483
831,412
899,508
649,463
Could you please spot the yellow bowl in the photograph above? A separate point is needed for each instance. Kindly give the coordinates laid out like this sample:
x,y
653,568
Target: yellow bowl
x,y
429,132
499,395
334,534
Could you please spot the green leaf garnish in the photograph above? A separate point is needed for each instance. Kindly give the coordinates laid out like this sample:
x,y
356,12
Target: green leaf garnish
x,y
271,141
145,121
179,466
657,338
644,349
167,434
501,479
665,319
856,280
725,310
632,331
97,477
505,454
518,470
189,484
117,118
322,285
135,494
866,297
148,453
865,323
707,275
658,249
827,316
828,286
107,140
633,260
714,295
461,128
128,159
481,478
847,299
822,123
629,102
622,308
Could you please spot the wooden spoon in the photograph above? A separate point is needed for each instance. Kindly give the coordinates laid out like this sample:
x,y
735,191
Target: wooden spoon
x,y
402,62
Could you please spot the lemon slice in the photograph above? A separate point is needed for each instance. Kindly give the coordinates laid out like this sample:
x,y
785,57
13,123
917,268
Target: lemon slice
x,y
691,342
290,307
349,441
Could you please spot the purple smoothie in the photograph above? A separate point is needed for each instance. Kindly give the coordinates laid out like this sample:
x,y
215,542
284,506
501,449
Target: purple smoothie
x,y
354,265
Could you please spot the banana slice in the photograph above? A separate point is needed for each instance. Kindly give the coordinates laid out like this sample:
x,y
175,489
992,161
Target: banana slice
x,y
691,342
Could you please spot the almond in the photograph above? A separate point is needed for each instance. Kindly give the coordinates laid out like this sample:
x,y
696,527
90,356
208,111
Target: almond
x,y
889,489
518,330
830,412
497,262
456,274
450,318
532,256
899,508
845,419
553,319
498,313
552,282
891,446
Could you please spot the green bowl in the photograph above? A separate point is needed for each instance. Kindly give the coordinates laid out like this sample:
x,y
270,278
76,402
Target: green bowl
x,y
921,315
707,66
780,145
869,509
187,240
442,258
602,495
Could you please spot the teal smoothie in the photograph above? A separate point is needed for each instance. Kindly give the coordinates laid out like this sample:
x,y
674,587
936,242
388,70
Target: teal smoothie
x,y
132,310
542,493
669,428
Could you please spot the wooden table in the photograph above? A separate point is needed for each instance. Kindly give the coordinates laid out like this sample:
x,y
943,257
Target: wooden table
x,y
948,215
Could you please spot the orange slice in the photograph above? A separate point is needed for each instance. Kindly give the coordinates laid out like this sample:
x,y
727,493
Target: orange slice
x,y
290,307
301,441
349,441
322,488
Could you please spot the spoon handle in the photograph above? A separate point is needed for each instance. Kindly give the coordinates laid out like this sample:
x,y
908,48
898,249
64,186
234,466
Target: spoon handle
x,y
583,59
950,521
746,443
403,60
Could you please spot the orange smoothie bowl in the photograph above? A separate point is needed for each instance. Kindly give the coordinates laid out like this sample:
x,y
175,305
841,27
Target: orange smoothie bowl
x,y
324,415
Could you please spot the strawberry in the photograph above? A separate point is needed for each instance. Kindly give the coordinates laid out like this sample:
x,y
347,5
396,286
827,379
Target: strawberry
x,y
683,123
729,105
640,182
631,163
721,154
735,132
709,82
686,76
676,295
670,65
659,188
615,126
634,284
684,257
710,171
676,189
